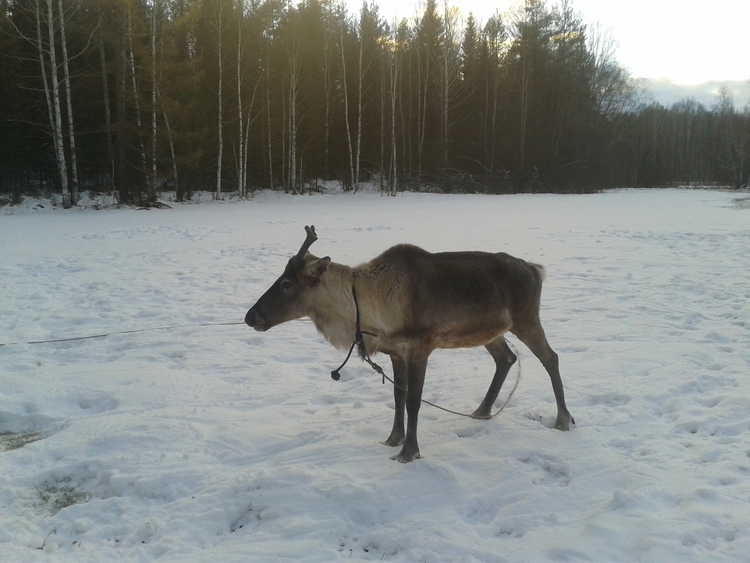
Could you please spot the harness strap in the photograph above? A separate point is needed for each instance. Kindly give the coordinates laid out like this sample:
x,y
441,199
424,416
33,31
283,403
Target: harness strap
x,y
359,342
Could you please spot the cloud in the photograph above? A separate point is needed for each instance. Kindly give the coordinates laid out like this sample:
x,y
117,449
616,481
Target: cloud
x,y
666,92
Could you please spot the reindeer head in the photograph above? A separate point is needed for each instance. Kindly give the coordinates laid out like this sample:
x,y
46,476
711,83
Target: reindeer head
x,y
291,295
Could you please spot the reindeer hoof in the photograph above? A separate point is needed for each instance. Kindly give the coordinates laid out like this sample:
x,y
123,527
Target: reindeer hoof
x,y
406,457
563,423
480,415
393,441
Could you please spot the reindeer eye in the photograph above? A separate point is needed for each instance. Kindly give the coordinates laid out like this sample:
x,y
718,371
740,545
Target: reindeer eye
x,y
286,285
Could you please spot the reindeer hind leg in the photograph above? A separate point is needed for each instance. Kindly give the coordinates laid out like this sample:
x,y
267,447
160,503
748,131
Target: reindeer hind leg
x,y
504,359
532,334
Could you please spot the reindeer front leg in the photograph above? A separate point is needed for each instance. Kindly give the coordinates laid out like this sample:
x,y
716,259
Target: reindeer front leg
x,y
416,367
399,398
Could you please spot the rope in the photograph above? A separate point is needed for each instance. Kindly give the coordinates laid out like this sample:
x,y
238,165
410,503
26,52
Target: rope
x,y
425,401
336,376
105,335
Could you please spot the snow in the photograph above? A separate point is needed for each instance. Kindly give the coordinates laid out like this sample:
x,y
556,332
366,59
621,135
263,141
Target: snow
x,y
213,443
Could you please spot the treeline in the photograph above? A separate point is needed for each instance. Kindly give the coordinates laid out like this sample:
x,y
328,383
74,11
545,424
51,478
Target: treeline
x,y
136,96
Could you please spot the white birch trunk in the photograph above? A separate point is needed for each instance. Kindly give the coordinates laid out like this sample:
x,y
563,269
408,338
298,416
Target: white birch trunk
x,y
327,55
57,128
221,108
241,187
69,101
284,154
446,87
152,184
360,75
171,150
248,121
171,142
495,96
268,114
43,70
450,60
422,100
381,159
135,94
346,107
393,176
107,112
293,82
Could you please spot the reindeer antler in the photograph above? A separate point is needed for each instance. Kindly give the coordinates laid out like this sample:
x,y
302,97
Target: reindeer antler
x,y
311,238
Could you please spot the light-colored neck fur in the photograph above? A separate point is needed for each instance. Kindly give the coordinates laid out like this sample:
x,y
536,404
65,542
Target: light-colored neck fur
x,y
380,296
333,311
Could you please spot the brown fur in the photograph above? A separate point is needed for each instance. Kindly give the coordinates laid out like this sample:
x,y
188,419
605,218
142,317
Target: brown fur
x,y
416,301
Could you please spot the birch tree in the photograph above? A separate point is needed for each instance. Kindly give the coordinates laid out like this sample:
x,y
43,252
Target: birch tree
x,y
394,70
295,63
152,183
494,36
329,48
428,37
364,28
107,111
122,181
69,107
268,108
241,164
134,83
449,65
46,53
220,27
57,127
220,96
352,177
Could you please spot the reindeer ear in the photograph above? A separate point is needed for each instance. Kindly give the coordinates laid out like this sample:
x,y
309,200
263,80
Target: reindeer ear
x,y
320,266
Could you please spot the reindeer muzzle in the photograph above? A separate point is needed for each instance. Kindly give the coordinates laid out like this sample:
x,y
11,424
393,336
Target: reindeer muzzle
x,y
255,320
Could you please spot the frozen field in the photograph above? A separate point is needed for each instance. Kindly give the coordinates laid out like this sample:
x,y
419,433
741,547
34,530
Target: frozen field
x,y
220,444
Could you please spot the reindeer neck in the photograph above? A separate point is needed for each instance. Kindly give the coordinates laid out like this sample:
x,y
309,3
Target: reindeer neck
x,y
333,311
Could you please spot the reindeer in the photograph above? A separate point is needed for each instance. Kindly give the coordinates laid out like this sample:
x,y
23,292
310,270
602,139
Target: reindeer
x,y
406,303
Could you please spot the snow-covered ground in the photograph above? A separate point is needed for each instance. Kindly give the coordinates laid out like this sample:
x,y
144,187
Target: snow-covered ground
x,y
217,443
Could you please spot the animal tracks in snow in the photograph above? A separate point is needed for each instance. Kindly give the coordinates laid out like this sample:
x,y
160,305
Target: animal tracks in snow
x,y
224,444
551,472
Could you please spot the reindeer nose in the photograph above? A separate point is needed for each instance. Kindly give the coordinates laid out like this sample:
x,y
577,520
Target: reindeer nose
x,y
254,320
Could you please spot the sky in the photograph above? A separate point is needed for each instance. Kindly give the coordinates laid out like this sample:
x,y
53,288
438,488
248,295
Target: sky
x,y
666,41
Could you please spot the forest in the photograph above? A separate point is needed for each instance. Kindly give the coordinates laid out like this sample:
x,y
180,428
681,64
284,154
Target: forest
x,y
136,97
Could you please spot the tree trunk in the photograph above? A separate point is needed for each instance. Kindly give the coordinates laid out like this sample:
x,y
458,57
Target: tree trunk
x,y
248,120
107,113
152,184
360,76
381,159
524,117
220,117
294,68
393,176
268,113
346,108
68,97
327,63
423,84
45,81
62,165
241,187
447,37
122,182
135,96
178,192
